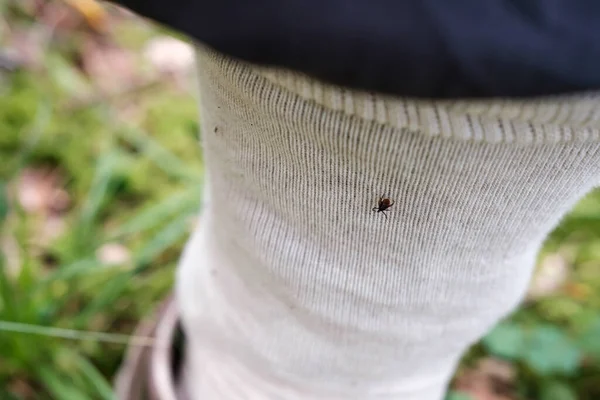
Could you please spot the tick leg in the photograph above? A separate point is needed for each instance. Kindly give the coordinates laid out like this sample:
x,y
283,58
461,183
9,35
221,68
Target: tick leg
x,y
385,215
375,208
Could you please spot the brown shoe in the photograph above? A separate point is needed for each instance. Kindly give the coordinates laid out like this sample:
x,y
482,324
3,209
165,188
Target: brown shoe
x,y
150,372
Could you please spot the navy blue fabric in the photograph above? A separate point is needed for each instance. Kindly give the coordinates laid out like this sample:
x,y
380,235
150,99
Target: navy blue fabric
x,y
419,48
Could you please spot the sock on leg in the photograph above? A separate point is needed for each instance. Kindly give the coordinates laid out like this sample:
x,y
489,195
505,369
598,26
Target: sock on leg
x,y
293,288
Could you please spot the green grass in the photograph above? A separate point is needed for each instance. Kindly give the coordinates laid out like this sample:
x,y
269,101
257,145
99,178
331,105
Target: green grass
x,y
132,180
135,179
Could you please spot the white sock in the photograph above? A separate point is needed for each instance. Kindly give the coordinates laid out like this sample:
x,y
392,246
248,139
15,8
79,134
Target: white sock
x,y
293,288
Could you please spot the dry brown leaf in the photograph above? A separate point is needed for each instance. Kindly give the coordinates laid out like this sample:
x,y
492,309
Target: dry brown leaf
x,y
27,48
39,191
113,254
549,277
93,13
497,368
490,379
111,68
22,389
170,56
49,229
59,16
578,290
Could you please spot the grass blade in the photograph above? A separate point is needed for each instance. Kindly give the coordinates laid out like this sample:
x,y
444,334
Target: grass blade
x,y
100,186
3,202
103,301
155,215
162,157
95,378
72,270
8,308
173,232
58,387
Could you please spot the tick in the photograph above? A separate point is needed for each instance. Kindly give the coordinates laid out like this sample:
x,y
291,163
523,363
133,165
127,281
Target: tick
x,y
384,204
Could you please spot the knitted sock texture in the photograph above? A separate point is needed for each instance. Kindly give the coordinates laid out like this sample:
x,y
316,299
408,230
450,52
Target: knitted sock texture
x,y
292,287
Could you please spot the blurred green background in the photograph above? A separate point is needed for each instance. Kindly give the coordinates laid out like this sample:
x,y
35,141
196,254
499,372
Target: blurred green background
x,y
100,179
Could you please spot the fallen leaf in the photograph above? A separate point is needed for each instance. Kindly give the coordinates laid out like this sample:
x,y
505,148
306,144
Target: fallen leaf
x,y
22,389
110,68
92,12
25,48
39,191
59,202
50,228
497,368
169,55
58,16
490,379
578,290
550,276
113,254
